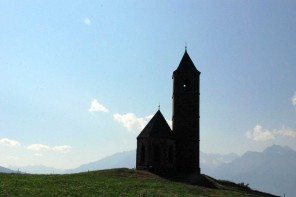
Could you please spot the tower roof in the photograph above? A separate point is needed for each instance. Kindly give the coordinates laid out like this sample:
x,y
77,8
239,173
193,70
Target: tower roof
x,y
186,64
157,127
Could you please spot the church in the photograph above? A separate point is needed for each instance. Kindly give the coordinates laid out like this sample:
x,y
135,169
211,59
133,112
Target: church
x,y
164,150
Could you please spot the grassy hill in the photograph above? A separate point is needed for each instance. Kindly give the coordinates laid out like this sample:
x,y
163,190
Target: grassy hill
x,y
115,182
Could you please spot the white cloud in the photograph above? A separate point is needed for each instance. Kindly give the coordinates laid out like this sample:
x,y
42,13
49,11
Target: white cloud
x,y
86,21
133,123
260,134
62,149
149,117
38,147
9,142
294,99
286,132
96,106
42,147
170,123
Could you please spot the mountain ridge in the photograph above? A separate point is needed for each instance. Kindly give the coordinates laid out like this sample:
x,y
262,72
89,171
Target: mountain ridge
x,y
125,159
38,169
271,170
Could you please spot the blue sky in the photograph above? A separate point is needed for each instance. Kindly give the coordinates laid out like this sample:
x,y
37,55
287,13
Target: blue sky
x,y
80,79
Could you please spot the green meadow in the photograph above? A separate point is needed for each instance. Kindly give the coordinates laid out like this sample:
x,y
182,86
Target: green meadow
x,y
115,182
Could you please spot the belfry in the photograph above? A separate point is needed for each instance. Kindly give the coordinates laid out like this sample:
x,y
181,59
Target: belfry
x,y
162,149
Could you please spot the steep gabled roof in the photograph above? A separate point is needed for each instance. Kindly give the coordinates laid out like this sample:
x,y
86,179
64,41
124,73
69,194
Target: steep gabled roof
x,y
157,127
186,64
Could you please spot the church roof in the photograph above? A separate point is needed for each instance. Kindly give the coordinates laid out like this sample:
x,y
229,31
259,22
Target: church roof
x,y
186,64
157,127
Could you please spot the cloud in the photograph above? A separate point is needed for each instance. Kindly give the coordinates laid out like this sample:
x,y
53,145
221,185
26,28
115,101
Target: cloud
x,y
86,21
170,123
294,99
96,106
62,149
9,142
133,123
42,147
149,117
38,147
286,132
260,134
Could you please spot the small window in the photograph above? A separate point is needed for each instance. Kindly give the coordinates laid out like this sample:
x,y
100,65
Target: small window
x,y
143,153
186,84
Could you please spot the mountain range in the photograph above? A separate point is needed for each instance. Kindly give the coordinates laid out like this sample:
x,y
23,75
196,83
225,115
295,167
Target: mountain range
x,y
38,169
272,170
209,162
125,159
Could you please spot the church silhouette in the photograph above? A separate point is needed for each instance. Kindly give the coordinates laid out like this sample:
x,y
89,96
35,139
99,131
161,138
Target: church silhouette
x,y
165,150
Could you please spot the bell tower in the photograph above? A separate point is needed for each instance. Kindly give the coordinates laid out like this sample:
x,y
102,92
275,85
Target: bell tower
x,y
186,85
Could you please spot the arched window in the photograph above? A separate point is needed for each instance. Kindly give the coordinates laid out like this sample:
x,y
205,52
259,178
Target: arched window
x,y
156,154
171,154
143,153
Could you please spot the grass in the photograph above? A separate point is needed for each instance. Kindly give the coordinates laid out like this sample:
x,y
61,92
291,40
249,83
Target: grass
x,y
115,182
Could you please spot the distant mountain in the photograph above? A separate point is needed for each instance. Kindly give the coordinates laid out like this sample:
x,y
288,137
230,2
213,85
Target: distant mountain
x,y
125,159
272,170
5,170
39,169
209,162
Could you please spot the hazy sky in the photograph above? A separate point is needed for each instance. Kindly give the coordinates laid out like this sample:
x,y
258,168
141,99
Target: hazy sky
x,y
80,79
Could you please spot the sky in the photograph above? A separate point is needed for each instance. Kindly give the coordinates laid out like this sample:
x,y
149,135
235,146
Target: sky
x,y
80,79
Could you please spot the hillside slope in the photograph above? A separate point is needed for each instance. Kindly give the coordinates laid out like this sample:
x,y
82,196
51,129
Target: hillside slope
x,y
115,182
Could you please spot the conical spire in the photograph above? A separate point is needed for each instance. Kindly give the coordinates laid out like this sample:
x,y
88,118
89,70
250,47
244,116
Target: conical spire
x,y
186,64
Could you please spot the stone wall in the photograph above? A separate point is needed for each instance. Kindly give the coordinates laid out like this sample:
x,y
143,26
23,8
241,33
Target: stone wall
x,y
159,154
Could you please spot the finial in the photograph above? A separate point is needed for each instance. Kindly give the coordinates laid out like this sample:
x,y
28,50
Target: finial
x,y
185,46
158,106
